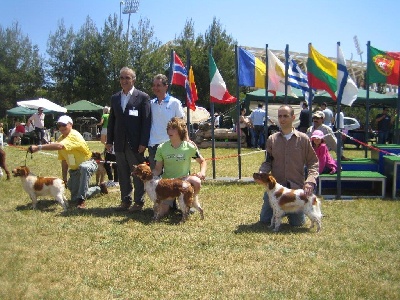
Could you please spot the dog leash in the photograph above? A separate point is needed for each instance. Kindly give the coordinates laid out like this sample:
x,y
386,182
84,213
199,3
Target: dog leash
x,y
28,151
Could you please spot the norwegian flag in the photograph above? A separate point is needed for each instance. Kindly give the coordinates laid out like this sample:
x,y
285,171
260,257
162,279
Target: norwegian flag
x,y
179,73
180,77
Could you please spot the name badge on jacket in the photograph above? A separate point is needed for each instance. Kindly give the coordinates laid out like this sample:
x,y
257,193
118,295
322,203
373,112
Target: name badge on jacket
x,y
133,112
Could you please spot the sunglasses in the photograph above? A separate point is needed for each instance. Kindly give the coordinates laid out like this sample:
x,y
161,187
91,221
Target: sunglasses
x,y
61,125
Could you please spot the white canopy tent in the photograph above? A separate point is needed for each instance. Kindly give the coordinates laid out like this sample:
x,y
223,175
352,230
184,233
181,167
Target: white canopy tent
x,y
42,102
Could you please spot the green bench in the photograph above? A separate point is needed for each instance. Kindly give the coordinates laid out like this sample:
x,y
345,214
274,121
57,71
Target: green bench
x,y
360,176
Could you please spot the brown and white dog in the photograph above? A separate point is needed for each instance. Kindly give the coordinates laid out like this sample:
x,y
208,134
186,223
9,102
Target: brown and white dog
x,y
284,200
41,186
101,171
163,189
3,163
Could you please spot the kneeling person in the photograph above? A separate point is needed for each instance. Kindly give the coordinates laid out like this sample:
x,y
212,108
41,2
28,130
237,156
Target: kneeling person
x,y
75,156
173,158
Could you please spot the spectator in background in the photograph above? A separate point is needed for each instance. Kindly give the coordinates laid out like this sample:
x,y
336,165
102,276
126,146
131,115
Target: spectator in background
x,y
104,123
18,131
257,118
330,138
245,124
2,136
328,119
217,120
37,121
326,163
304,118
384,124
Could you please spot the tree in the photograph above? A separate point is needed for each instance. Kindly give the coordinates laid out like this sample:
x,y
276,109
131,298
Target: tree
x,y
115,54
21,67
61,71
147,57
91,79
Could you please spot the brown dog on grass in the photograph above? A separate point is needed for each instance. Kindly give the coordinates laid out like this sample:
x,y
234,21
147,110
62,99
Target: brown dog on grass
x,y
3,163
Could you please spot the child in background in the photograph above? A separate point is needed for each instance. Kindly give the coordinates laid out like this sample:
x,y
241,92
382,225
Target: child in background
x,y
326,163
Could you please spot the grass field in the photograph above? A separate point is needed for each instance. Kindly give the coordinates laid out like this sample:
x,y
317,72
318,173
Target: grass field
x,y
100,253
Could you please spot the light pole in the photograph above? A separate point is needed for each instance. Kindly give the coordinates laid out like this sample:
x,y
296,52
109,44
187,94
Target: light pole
x,y
131,6
120,10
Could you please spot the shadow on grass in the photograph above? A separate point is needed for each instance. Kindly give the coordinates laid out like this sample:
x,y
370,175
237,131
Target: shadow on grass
x,y
42,205
260,227
145,216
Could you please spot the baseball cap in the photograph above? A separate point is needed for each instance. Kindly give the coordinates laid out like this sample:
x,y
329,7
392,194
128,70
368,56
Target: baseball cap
x,y
318,114
317,134
65,120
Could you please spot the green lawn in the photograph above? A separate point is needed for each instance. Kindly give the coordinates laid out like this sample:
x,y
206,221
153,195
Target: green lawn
x,y
100,253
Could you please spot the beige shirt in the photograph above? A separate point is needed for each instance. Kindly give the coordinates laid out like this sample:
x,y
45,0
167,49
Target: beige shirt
x,y
286,159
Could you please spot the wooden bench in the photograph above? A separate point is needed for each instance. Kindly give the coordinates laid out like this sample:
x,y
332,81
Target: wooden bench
x,y
356,176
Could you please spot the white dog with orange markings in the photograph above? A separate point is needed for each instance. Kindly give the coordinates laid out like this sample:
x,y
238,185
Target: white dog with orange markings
x,y
284,200
41,186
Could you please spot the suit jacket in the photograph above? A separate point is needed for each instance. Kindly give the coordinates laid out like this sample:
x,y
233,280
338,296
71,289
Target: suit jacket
x,y
132,125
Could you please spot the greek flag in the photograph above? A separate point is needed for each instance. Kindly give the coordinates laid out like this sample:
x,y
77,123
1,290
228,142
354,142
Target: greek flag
x,y
296,77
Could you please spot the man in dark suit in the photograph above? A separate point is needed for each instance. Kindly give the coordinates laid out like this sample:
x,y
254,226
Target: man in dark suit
x,y
128,130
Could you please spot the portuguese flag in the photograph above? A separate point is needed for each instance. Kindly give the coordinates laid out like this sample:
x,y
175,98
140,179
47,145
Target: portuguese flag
x,y
218,90
383,67
321,72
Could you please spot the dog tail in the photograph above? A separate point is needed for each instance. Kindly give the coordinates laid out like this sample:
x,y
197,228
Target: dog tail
x,y
317,206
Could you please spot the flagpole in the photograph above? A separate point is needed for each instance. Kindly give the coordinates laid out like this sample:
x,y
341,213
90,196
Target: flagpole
x,y
266,97
338,135
212,129
238,130
310,93
188,64
286,70
367,101
396,131
171,71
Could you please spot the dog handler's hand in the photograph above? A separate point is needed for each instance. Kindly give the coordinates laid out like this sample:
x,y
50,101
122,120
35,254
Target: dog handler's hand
x,y
32,149
308,188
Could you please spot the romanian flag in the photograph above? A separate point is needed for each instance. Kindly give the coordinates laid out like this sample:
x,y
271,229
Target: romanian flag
x,y
383,67
251,70
321,72
218,91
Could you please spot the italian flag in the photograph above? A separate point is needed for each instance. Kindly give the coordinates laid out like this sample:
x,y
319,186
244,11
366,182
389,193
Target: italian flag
x,y
218,91
383,67
321,72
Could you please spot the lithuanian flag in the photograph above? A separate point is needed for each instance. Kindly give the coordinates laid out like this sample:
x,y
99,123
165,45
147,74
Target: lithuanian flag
x,y
321,72
383,67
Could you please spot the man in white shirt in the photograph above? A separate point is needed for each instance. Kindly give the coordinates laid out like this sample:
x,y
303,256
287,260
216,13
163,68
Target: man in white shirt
x,y
257,118
163,108
328,120
37,120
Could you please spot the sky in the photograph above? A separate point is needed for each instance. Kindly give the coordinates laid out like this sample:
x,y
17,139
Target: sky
x,y
252,23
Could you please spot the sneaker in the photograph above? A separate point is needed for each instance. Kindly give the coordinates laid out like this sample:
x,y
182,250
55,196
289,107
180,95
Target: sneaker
x,y
136,207
110,183
103,188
